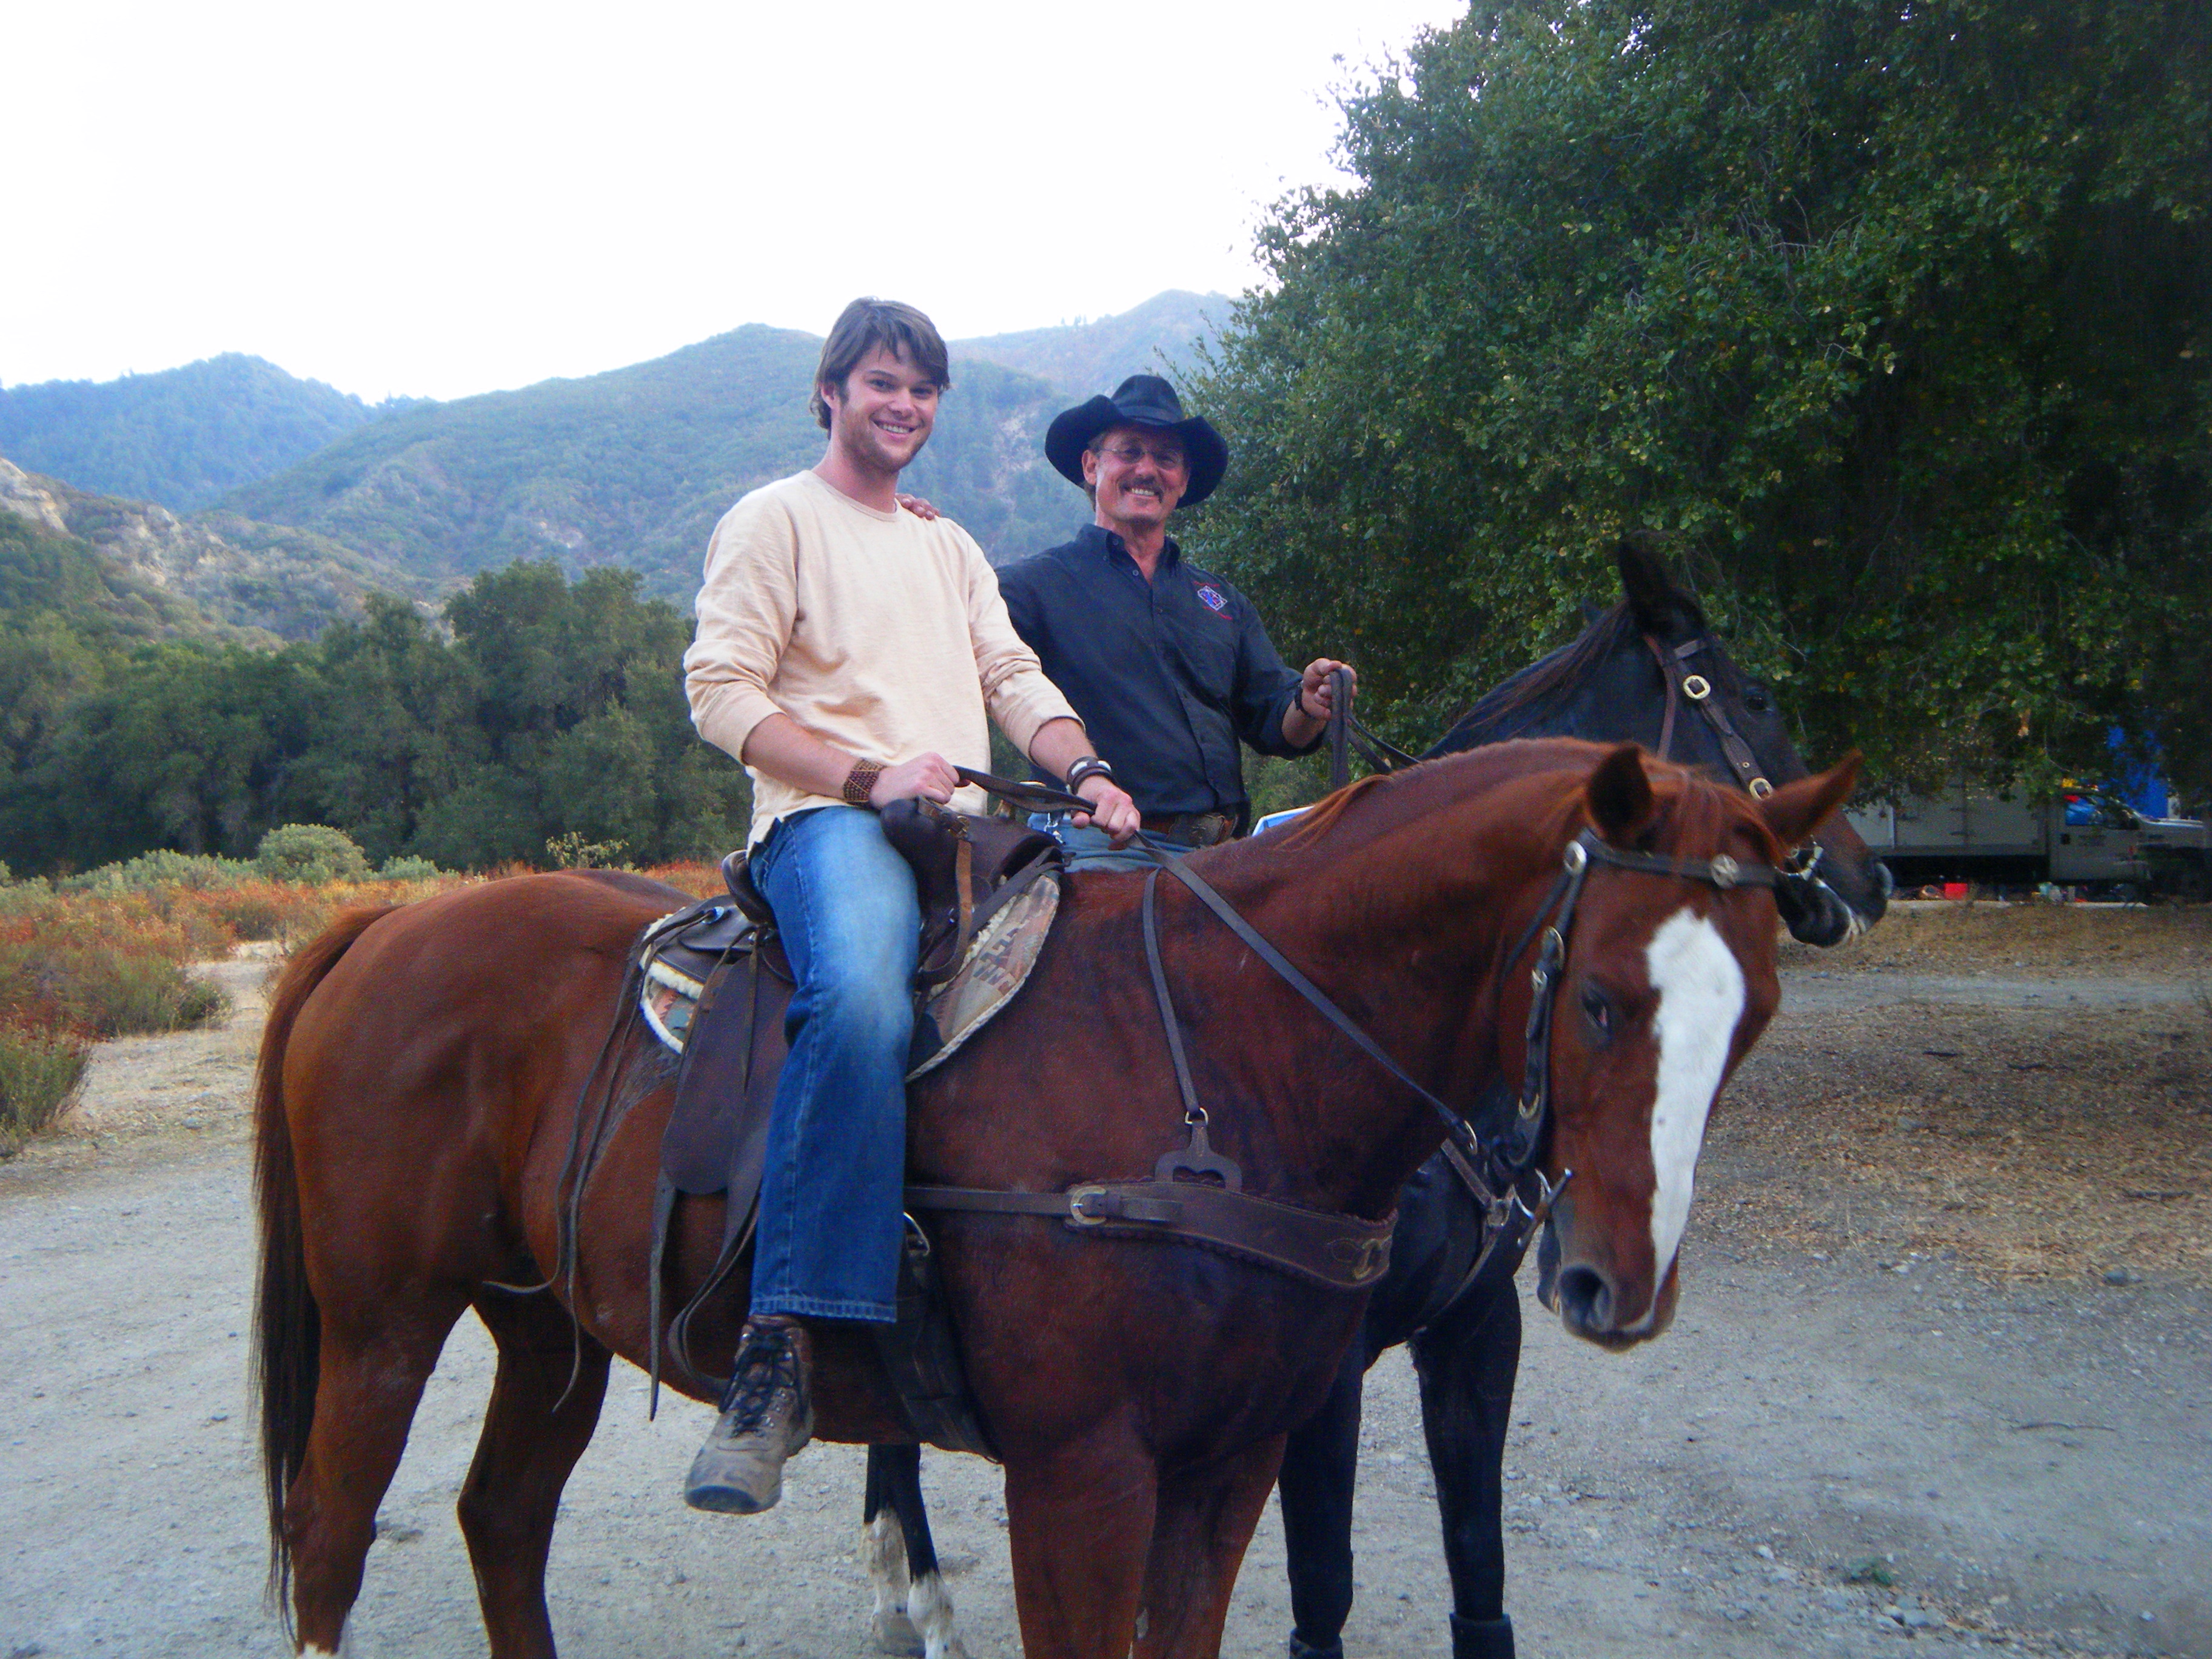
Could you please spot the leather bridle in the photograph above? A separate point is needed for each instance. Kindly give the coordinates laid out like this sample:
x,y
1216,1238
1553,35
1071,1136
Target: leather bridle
x,y
1683,686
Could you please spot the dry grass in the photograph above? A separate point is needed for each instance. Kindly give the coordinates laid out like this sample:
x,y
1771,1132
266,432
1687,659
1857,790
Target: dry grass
x,y
2032,941
2061,1142
694,876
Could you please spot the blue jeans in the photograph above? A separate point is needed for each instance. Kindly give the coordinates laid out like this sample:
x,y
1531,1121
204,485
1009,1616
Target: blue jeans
x,y
828,1240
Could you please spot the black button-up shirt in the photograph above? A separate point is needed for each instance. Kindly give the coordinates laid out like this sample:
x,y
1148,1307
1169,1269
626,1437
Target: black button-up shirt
x,y
1167,675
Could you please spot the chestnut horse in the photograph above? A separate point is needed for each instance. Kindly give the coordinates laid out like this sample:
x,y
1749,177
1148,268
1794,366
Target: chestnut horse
x,y
424,1068
1611,684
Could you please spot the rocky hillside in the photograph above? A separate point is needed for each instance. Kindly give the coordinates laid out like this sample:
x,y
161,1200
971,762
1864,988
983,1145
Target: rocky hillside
x,y
154,573
181,437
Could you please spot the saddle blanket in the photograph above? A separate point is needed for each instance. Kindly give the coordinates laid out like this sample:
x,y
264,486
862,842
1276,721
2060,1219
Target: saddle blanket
x,y
999,960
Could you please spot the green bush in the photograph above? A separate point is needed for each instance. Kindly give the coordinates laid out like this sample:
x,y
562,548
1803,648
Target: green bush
x,y
161,868
312,853
39,1070
408,867
572,852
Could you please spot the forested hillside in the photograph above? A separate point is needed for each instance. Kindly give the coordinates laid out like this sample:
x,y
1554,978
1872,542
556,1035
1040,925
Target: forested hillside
x,y
193,682
632,468
181,437
539,709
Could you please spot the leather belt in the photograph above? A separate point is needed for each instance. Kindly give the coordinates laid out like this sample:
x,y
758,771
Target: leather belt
x,y
1193,829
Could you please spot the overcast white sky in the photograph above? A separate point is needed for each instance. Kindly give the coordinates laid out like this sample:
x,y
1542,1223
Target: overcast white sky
x,y
438,200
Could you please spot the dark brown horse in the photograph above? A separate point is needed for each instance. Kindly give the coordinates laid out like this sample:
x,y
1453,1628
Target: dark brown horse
x,y
423,1067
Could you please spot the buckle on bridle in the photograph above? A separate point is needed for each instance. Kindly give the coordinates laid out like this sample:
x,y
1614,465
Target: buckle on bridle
x,y
1725,871
1696,687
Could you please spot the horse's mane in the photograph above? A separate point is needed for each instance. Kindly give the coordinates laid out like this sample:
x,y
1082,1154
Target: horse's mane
x,y
1560,671
1694,813
1548,676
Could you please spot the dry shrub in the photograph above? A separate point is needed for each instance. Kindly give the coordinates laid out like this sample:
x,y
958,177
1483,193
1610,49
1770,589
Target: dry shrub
x,y
110,958
40,1069
99,988
252,914
694,876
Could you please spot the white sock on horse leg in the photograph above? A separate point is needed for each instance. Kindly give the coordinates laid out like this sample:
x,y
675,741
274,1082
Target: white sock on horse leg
x,y
882,1551
930,1607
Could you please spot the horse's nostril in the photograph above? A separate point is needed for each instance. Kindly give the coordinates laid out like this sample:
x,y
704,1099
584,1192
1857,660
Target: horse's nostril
x,y
1585,1298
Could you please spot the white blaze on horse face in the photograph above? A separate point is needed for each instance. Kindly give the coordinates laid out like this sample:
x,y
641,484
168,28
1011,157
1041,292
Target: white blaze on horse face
x,y
1700,989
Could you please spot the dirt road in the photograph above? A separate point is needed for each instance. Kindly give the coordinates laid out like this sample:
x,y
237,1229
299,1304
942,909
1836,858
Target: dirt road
x,y
1899,1353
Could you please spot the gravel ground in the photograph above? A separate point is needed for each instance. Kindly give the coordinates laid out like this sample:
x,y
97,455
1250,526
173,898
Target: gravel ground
x,y
1860,1380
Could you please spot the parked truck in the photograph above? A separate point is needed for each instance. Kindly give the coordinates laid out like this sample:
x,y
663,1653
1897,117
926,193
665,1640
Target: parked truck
x,y
2082,838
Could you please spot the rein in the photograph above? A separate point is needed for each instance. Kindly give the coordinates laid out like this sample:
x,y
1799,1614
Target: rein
x,y
1336,1251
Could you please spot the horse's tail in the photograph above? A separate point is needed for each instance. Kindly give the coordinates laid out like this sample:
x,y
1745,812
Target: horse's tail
x,y
287,1325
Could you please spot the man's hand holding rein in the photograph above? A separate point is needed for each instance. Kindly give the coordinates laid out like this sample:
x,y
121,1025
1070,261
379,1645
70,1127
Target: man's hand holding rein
x,y
1307,716
1058,747
926,777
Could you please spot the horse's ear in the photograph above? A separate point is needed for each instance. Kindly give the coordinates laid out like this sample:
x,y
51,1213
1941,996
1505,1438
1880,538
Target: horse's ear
x,y
1795,809
1658,604
1618,796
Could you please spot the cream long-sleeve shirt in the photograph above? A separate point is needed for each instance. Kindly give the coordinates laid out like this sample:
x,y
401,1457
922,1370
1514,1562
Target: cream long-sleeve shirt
x,y
880,634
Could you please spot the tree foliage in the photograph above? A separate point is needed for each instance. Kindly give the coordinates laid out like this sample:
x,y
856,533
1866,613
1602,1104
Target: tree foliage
x,y
540,708
1895,317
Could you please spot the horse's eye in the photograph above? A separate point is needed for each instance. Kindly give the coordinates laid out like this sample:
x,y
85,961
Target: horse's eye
x,y
1755,698
1597,1009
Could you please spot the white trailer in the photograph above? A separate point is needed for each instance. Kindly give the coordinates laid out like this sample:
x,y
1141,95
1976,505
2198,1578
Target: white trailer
x,y
2081,836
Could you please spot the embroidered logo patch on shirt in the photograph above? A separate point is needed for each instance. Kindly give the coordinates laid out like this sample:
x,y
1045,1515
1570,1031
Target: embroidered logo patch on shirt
x,y
1213,596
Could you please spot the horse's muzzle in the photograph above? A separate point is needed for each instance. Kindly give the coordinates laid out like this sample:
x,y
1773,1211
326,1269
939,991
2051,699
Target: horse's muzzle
x,y
1588,1301
1815,912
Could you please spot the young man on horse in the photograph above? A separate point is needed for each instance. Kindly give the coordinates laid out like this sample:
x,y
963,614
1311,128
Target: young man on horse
x,y
1168,665
847,652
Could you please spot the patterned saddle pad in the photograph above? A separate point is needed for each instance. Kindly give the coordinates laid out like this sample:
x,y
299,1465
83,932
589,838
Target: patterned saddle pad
x,y
678,955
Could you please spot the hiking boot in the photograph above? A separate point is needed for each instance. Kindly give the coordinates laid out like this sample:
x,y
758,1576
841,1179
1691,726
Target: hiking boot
x,y
767,1414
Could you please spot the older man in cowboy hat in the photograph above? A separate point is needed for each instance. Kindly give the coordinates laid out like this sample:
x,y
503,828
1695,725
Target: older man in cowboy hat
x,y
1167,665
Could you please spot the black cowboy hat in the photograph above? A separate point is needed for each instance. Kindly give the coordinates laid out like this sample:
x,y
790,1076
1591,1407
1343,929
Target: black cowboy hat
x,y
1140,400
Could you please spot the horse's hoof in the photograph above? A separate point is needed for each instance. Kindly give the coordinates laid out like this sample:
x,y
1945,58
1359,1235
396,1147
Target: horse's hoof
x,y
1481,1639
1299,1648
894,1633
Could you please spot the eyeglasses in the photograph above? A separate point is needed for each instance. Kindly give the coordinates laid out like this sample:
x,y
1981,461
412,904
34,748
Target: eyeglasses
x,y
1167,460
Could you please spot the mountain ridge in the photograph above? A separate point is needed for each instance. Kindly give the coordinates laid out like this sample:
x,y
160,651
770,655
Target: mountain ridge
x,y
181,436
629,468
633,466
